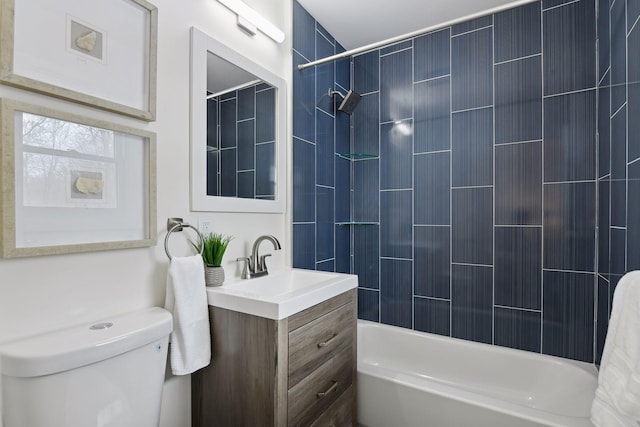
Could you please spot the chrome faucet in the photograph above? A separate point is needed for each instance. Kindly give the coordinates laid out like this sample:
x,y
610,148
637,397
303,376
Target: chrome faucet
x,y
256,265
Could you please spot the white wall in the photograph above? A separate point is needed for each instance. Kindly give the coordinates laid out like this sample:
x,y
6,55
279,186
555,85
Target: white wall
x,y
44,293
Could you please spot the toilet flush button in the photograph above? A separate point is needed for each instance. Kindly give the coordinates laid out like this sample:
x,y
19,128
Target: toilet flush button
x,y
99,326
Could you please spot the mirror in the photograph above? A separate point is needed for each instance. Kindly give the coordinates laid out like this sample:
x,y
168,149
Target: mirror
x,y
237,131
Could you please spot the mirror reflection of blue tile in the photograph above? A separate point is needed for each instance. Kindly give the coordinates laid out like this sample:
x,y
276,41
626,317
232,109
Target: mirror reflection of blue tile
x,y
487,184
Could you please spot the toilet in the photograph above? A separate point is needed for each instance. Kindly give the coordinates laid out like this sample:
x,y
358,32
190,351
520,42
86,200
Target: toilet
x,y
108,373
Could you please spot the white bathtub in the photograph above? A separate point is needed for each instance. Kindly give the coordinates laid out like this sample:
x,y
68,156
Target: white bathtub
x,y
412,379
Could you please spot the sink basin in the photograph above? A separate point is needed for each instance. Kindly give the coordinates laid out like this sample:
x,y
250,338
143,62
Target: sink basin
x,y
281,293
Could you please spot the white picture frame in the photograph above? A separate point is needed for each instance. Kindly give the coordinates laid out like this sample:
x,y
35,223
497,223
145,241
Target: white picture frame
x,y
111,167
101,53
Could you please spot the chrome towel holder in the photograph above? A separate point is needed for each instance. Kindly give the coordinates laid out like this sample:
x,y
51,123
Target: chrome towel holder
x,y
177,224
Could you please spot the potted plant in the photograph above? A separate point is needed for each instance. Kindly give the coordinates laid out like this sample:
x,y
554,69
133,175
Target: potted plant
x,y
215,245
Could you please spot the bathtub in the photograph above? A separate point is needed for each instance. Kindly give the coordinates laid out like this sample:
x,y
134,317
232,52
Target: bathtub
x,y
413,379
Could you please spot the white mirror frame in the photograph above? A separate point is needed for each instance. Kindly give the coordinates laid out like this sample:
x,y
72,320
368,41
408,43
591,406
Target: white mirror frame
x,y
201,44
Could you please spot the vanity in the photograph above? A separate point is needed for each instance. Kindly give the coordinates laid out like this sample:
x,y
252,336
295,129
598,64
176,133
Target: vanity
x,y
283,352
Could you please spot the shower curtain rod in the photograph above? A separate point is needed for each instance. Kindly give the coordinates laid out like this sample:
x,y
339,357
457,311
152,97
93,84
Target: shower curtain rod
x,y
413,34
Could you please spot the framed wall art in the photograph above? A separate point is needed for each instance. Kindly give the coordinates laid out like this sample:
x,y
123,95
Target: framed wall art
x,y
101,53
73,184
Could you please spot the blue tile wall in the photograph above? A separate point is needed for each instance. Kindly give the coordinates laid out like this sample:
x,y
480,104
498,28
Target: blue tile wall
x,y
472,69
322,169
499,116
619,171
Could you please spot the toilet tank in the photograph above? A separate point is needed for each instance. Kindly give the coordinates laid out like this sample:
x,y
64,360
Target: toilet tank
x,y
107,373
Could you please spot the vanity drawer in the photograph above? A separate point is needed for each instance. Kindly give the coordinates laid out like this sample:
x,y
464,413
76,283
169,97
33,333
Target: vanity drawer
x,y
316,342
340,414
314,394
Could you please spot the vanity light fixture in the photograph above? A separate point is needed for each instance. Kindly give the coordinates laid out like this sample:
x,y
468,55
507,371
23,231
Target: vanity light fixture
x,y
250,20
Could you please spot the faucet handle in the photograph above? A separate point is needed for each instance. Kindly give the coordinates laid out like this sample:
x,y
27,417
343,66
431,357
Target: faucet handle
x,y
262,264
246,260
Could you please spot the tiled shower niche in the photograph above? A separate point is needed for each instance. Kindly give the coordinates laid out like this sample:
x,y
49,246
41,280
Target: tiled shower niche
x,y
476,211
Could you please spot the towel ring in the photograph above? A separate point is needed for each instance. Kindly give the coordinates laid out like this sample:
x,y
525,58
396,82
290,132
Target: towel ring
x,y
176,224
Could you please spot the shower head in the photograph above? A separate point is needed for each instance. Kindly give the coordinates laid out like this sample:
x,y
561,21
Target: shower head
x,y
349,101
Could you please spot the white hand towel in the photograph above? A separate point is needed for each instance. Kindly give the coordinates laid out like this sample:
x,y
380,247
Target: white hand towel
x,y
617,401
187,300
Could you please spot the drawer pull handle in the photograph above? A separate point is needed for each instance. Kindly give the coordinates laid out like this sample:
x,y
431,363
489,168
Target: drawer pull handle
x,y
327,342
329,390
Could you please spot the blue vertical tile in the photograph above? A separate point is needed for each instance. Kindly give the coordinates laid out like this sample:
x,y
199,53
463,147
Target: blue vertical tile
x,y
633,111
325,75
432,256
569,39
472,225
366,72
395,224
343,133
518,329
396,298
324,223
246,145
618,254
343,249
517,32
431,55
518,100
633,226
212,173
366,255
228,123
432,189
265,176
619,144
518,267
304,179
246,188
618,202
604,137
432,315
471,303
366,190
304,32
569,218
569,137
603,316
618,55
343,189
396,87
228,172
246,99
212,123
265,115
366,131
604,203
603,37
568,327
472,148
325,149
304,102
547,4
343,69
325,33
304,246
396,148
518,186
432,113
472,70
471,25
369,305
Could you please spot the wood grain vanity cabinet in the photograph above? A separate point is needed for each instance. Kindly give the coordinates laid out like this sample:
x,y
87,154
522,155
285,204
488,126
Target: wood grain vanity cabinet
x,y
298,371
